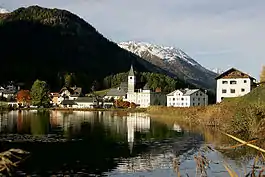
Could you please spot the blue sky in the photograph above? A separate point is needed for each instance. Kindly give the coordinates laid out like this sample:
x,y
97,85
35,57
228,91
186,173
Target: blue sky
x,y
216,33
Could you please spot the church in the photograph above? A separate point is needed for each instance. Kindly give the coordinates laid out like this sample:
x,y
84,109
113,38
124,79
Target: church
x,y
136,92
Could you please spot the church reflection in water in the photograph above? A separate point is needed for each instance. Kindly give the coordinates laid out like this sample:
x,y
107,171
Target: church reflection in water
x,y
130,128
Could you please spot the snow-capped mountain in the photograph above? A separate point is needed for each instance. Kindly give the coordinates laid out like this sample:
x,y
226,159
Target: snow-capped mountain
x,y
3,11
173,60
217,70
165,53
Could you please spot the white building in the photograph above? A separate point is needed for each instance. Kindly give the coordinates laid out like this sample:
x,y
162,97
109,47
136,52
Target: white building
x,y
69,93
138,93
233,83
187,97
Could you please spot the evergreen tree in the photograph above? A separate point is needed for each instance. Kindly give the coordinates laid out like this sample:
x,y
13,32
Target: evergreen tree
x,y
68,80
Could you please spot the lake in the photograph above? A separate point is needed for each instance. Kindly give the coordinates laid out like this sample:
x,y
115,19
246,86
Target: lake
x,y
117,144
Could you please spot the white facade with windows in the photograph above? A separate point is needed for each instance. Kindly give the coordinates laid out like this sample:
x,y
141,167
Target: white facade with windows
x,y
141,96
233,83
187,98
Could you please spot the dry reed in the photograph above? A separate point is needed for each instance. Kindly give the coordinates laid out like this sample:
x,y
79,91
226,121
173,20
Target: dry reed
x,y
10,159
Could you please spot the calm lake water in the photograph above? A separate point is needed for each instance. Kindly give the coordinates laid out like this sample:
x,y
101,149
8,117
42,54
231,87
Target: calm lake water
x,y
111,144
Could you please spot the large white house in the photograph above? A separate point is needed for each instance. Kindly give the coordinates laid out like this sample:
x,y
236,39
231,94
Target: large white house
x,y
136,92
187,97
233,83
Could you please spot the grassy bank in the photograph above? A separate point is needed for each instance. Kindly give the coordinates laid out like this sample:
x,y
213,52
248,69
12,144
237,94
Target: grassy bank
x,y
243,115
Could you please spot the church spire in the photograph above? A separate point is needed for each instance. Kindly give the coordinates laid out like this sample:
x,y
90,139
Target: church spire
x,y
131,72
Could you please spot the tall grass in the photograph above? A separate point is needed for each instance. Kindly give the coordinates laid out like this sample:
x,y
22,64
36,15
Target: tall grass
x,y
203,163
10,159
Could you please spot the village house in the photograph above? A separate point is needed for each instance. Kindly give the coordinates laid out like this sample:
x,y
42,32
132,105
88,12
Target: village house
x,y
187,98
69,93
85,102
9,92
55,98
136,92
233,83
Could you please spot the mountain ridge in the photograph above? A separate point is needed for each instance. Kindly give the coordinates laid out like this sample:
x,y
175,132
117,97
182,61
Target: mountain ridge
x,y
3,10
174,60
47,43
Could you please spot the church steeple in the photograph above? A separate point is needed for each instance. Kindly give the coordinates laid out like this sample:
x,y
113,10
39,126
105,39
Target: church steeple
x,y
131,72
131,80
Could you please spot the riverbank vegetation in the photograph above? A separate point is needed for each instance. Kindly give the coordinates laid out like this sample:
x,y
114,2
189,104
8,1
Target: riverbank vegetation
x,y
10,159
241,116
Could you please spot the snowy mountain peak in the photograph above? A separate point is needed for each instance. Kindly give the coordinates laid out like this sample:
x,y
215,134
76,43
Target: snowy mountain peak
x,y
168,54
3,11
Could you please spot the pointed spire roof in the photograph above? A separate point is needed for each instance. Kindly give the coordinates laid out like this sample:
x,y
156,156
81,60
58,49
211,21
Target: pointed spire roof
x,y
131,72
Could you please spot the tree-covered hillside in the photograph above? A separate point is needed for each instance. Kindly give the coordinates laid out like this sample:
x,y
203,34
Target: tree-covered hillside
x,y
40,43
154,80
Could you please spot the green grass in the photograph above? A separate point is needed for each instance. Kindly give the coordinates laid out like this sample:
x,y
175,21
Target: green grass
x,y
99,92
102,92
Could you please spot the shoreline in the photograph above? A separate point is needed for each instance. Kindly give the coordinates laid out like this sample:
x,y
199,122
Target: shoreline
x,y
82,109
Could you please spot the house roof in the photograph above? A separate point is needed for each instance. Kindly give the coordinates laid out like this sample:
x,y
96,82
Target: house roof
x,y
146,87
68,102
9,91
124,86
234,73
116,92
74,91
186,92
84,100
55,94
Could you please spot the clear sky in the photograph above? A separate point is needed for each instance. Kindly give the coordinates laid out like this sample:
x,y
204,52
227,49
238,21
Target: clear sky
x,y
216,33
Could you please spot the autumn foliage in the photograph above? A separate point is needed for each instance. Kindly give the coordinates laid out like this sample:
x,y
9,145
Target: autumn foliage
x,y
124,104
23,96
262,74
133,105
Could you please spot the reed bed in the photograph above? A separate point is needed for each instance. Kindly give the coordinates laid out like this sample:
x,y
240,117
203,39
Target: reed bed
x,y
203,163
10,159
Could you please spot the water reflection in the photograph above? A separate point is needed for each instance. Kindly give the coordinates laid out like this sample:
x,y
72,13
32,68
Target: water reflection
x,y
94,142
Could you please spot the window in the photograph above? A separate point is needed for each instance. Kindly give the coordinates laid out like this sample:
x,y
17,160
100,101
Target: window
x,y
233,91
200,94
242,90
182,103
182,99
232,82
224,91
245,81
193,104
198,104
199,99
193,99
225,82
130,77
173,99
